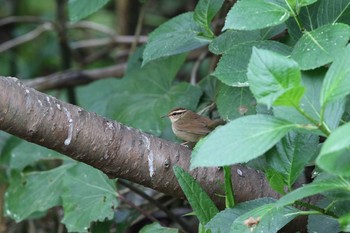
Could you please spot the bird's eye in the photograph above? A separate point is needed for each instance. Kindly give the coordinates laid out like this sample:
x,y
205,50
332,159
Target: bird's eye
x,y
176,113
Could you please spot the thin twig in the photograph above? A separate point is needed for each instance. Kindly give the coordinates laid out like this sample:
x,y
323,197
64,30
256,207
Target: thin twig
x,y
168,212
139,26
26,37
144,213
195,68
23,19
93,26
105,41
73,78
63,43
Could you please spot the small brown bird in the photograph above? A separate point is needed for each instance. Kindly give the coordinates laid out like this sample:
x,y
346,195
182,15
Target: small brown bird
x,y
190,126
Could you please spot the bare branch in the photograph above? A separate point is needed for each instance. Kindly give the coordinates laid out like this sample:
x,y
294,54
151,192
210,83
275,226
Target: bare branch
x,y
47,25
74,78
195,68
23,19
115,149
93,26
105,41
26,37
139,25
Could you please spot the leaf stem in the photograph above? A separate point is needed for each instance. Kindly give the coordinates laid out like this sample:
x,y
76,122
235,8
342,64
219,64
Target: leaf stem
x,y
295,16
313,207
229,195
321,125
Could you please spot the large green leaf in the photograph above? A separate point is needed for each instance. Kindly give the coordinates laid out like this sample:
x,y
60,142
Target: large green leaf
x,y
291,154
202,205
274,79
143,96
310,103
33,192
271,219
27,153
88,196
255,14
316,187
232,67
321,46
234,102
205,12
334,156
331,11
79,9
178,35
337,81
223,221
239,141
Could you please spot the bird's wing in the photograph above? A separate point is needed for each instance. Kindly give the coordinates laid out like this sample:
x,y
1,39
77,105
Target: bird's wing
x,y
201,127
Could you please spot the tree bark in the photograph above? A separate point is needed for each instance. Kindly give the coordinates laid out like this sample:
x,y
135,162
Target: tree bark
x,y
115,149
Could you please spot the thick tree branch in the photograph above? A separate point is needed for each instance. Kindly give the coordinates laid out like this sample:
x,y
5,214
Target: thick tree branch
x,y
115,149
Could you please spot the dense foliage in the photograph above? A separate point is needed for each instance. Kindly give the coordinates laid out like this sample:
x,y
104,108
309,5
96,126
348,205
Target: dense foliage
x,y
282,83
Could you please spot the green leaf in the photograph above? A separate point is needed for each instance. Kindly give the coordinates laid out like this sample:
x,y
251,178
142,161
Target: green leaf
x,y
322,224
205,12
316,187
157,228
223,221
178,35
232,38
274,79
276,180
345,222
4,139
321,46
255,14
334,156
88,196
146,92
331,11
271,219
33,192
325,223
302,3
291,154
297,4
239,141
26,154
234,102
232,67
310,103
79,9
337,81
202,205
8,146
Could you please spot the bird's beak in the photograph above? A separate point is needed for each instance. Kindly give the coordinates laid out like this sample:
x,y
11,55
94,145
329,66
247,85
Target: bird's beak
x,y
164,116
